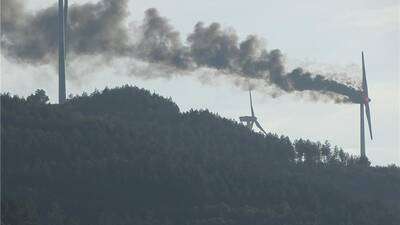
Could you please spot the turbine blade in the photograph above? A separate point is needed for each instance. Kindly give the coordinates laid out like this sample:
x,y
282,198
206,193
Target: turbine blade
x,y
364,78
368,113
251,104
260,127
366,96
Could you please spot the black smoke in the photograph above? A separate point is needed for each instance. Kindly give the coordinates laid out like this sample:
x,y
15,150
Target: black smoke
x,y
100,29
160,43
93,29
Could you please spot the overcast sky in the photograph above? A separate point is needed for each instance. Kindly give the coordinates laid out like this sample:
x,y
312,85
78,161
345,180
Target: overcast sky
x,y
322,36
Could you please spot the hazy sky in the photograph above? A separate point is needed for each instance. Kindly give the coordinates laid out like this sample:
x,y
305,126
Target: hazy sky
x,y
323,36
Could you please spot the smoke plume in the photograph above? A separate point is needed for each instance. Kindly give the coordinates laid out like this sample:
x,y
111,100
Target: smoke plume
x,y
160,43
100,29
93,29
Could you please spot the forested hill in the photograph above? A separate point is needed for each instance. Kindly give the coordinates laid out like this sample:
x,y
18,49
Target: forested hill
x,y
125,156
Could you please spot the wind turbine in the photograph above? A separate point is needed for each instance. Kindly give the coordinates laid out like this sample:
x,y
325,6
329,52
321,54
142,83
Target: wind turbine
x,y
364,103
251,120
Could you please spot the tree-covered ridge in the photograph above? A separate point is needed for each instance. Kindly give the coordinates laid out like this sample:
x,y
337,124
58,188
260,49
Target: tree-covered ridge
x,y
126,156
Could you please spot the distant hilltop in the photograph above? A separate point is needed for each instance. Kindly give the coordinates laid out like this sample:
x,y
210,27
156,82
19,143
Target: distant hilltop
x,y
126,156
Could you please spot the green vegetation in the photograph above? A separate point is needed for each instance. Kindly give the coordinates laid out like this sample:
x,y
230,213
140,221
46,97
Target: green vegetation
x,y
125,156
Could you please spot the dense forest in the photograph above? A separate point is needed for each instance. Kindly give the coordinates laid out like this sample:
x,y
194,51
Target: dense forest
x,y
125,156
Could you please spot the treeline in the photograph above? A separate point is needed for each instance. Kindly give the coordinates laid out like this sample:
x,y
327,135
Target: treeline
x,y
126,156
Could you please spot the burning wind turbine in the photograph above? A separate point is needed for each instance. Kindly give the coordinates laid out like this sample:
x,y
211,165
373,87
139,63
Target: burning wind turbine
x,y
99,29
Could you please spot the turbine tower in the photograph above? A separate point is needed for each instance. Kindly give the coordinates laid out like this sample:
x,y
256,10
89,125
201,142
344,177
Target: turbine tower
x,y
62,33
251,120
364,103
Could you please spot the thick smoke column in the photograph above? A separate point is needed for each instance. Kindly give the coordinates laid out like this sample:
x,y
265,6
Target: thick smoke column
x,y
26,37
160,43
99,29
212,47
33,38
216,48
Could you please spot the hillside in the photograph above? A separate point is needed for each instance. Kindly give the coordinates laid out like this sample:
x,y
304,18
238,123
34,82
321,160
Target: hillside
x,y
125,156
